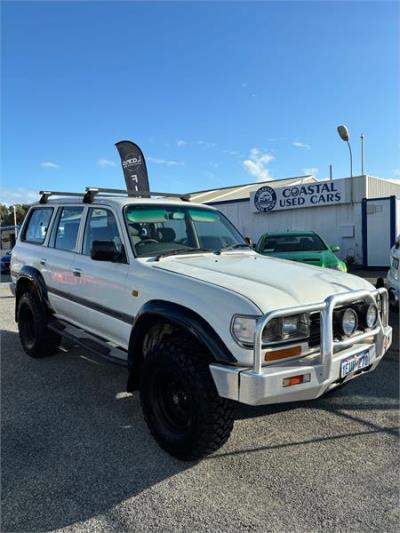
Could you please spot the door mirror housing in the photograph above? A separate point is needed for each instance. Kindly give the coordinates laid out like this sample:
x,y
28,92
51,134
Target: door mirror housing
x,y
250,242
107,251
335,248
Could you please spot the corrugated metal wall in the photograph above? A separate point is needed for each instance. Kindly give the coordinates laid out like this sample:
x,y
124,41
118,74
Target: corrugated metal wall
x,y
378,188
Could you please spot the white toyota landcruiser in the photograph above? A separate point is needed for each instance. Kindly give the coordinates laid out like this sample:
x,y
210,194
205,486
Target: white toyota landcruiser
x,y
202,321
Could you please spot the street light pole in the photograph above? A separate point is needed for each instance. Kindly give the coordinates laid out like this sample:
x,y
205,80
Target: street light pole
x,y
15,221
351,159
362,154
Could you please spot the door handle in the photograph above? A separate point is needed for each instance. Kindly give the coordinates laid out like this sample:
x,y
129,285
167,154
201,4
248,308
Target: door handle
x,y
77,272
43,261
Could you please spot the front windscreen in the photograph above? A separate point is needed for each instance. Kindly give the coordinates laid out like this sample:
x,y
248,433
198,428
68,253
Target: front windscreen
x,y
293,243
159,229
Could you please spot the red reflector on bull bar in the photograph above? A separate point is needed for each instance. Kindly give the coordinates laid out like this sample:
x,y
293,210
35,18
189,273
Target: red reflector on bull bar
x,y
296,380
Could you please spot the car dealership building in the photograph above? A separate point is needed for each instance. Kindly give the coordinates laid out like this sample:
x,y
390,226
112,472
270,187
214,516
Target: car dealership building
x,y
359,214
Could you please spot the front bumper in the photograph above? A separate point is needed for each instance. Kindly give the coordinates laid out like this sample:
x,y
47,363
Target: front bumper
x,y
263,384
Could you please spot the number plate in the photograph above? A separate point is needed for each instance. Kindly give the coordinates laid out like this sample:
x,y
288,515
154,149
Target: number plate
x,y
356,362
395,263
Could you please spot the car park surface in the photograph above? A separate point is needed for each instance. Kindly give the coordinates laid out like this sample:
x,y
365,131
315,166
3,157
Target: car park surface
x,y
76,454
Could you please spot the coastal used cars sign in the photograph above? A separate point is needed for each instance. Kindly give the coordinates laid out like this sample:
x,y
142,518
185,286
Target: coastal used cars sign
x,y
315,194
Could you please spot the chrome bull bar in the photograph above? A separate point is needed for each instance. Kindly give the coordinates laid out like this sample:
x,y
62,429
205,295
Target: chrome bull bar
x,y
327,342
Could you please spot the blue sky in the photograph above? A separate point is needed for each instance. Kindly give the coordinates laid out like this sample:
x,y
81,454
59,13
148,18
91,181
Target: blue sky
x,y
214,93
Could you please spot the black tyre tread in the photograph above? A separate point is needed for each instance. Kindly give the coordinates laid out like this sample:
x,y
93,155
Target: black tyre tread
x,y
216,415
47,341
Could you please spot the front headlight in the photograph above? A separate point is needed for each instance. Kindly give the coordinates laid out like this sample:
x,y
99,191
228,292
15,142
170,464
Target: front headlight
x,y
283,329
340,265
287,328
243,328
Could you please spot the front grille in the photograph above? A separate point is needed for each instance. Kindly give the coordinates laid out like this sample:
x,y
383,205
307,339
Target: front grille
x,y
315,330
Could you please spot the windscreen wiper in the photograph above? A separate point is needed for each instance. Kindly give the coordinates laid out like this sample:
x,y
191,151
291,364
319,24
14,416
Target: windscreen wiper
x,y
233,247
179,251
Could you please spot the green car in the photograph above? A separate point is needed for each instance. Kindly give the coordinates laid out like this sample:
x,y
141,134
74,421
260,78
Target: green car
x,y
304,246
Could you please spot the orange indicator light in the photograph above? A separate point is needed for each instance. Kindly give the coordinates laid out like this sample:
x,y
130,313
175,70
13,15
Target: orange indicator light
x,y
275,355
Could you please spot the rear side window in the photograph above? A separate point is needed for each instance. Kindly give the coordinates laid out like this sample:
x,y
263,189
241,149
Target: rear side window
x,y
67,229
37,225
101,226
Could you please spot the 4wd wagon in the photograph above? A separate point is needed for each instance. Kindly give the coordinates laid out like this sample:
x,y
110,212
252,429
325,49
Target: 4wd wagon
x,y
172,289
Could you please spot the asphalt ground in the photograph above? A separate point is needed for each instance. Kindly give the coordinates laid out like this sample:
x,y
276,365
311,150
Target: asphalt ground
x,y
77,456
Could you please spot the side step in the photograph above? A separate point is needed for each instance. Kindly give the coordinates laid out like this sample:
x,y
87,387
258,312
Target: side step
x,y
96,345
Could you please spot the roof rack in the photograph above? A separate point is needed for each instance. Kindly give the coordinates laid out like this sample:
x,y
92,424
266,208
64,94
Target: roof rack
x,y
91,192
45,195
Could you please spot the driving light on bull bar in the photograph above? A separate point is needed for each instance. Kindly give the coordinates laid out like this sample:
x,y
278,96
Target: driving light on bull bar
x,y
349,322
371,316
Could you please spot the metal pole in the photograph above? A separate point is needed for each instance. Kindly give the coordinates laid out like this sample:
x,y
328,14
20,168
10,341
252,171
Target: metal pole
x,y
362,154
351,159
330,173
15,222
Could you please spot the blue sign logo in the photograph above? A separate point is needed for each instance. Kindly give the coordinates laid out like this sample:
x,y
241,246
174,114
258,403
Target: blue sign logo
x,y
265,199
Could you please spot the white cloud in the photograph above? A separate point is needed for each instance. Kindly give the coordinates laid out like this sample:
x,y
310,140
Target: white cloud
x,y
299,144
20,195
103,163
230,152
206,144
180,143
311,170
49,164
256,164
165,162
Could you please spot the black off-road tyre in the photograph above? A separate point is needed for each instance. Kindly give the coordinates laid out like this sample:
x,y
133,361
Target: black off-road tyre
x,y
180,401
36,338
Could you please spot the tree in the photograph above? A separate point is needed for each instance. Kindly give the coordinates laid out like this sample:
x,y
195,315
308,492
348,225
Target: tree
x,y
7,213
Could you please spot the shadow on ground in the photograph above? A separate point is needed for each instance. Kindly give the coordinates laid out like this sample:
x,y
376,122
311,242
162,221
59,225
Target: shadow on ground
x,y
75,444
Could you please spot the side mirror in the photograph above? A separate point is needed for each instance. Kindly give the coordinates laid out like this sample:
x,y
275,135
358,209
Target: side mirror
x,y
335,248
106,251
249,242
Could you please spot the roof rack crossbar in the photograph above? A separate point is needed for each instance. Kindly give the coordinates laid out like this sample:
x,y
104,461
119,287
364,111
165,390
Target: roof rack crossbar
x,y
135,194
45,195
